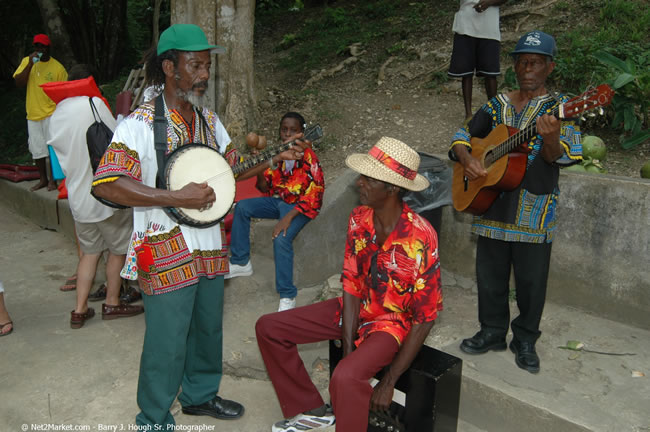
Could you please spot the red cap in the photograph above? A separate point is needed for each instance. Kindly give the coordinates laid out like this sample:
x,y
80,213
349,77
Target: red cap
x,y
42,39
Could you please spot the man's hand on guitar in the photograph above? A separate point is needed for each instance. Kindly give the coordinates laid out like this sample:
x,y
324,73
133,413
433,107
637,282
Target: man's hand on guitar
x,y
196,196
473,167
548,127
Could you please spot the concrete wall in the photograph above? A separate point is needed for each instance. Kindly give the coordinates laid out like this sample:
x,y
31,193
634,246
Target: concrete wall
x,y
600,260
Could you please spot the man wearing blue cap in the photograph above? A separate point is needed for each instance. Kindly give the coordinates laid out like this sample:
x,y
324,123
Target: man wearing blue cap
x,y
180,268
517,229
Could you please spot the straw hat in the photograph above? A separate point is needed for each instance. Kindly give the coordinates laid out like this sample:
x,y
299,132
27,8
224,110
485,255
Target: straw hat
x,y
392,161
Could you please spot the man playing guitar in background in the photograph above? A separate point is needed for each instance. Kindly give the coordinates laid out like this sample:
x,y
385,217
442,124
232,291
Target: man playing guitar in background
x,y
517,229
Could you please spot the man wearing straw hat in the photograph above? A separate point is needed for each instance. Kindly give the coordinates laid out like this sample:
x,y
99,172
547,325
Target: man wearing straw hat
x,y
391,297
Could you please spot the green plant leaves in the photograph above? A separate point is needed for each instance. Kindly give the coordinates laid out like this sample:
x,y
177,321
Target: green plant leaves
x,y
635,139
623,79
613,61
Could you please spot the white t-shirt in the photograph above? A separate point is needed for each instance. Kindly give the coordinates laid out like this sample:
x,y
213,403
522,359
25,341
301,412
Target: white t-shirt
x,y
68,126
484,25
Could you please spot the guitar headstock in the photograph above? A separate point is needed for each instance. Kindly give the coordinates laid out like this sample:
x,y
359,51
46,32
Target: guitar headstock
x,y
592,98
313,132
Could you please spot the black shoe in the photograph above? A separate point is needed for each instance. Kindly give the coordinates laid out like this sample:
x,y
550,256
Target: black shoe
x,y
483,342
218,408
525,355
98,295
130,295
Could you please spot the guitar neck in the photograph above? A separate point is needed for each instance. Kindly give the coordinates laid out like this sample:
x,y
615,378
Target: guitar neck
x,y
516,140
261,157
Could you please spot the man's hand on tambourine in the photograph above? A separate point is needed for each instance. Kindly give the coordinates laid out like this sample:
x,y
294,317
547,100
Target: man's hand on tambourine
x,y
196,196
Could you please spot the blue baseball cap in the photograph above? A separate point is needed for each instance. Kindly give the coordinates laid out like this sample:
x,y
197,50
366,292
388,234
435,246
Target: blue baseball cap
x,y
186,37
536,42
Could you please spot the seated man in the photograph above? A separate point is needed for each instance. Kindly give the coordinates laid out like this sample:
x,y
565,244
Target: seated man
x,y
295,196
391,283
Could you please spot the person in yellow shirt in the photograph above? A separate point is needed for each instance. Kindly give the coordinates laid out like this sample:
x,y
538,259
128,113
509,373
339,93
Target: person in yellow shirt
x,y
36,69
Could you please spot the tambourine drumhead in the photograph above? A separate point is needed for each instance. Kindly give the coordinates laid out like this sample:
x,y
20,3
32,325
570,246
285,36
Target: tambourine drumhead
x,y
199,163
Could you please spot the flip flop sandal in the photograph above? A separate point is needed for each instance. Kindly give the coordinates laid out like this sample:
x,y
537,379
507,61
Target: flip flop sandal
x,y
2,326
70,284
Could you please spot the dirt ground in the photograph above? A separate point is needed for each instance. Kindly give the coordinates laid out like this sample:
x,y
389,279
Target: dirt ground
x,y
368,98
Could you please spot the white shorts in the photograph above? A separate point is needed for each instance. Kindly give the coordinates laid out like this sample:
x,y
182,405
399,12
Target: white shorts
x,y
39,134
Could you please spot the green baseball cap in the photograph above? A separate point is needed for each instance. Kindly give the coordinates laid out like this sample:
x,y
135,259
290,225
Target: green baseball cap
x,y
186,37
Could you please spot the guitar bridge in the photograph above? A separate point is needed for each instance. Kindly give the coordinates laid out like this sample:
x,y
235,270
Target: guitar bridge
x,y
465,183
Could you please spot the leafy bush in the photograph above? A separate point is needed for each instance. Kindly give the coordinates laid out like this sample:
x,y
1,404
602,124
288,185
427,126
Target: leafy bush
x,y
632,99
611,44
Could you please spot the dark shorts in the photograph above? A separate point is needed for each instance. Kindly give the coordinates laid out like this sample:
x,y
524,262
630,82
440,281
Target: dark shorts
x,y
471,55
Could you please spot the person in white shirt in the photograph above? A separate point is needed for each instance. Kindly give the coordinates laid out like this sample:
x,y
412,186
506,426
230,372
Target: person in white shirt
x,y
476,47
98,227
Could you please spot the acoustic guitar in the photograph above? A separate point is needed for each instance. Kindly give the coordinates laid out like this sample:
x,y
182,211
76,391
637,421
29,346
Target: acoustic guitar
x,y
503,153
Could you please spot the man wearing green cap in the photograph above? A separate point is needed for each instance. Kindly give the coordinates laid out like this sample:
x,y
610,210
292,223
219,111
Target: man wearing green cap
x,y
179,268
518,228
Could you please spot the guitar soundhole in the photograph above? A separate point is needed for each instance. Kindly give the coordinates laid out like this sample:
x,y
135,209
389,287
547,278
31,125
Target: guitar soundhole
x,y
488,160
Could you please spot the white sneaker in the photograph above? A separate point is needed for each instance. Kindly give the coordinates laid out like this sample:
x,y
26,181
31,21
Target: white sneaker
x,y
238,270
304,422
286,304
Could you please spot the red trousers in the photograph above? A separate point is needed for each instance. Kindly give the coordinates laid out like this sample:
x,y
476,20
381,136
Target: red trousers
x,y
278,335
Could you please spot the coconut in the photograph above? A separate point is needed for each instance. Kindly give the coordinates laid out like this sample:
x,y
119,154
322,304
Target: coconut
x,y
593,147
645,170
592,169
576,168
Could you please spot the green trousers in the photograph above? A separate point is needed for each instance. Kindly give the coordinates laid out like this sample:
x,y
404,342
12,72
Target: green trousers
x,y
182,349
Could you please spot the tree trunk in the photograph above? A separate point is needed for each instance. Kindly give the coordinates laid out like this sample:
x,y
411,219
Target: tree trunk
x,y
61,46
231,24
113,39
156,21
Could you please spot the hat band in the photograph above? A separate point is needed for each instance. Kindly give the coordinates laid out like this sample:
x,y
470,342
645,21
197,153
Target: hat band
x,y
392,164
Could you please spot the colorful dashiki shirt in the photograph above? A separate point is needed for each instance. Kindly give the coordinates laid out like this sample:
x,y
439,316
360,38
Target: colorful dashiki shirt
x,y
164,255
300,183
398,282
527,213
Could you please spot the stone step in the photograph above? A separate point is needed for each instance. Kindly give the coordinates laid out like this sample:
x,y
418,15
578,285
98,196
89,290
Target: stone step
x,y
574,391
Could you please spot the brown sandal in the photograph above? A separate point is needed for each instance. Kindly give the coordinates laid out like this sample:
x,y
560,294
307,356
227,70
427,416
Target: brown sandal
x,y
77,320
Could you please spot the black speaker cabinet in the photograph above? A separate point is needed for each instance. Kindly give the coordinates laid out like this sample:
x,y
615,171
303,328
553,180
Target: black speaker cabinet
x,y
432,388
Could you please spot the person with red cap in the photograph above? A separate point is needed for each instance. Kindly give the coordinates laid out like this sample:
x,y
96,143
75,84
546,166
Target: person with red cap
x,y
36,69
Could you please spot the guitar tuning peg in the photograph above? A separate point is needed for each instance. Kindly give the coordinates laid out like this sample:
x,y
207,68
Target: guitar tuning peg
x,y
591,114
601,111
582,118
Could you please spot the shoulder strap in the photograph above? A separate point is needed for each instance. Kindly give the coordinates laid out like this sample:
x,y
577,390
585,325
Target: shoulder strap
x,y
160,138
94,110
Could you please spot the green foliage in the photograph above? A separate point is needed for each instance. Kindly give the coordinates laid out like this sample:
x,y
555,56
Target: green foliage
x,y
396,48
610,43
631,103
291,5
510,80
338,27
13,133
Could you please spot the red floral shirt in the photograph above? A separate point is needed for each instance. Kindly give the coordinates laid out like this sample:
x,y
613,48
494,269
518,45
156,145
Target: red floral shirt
x,y
302,185
405,269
